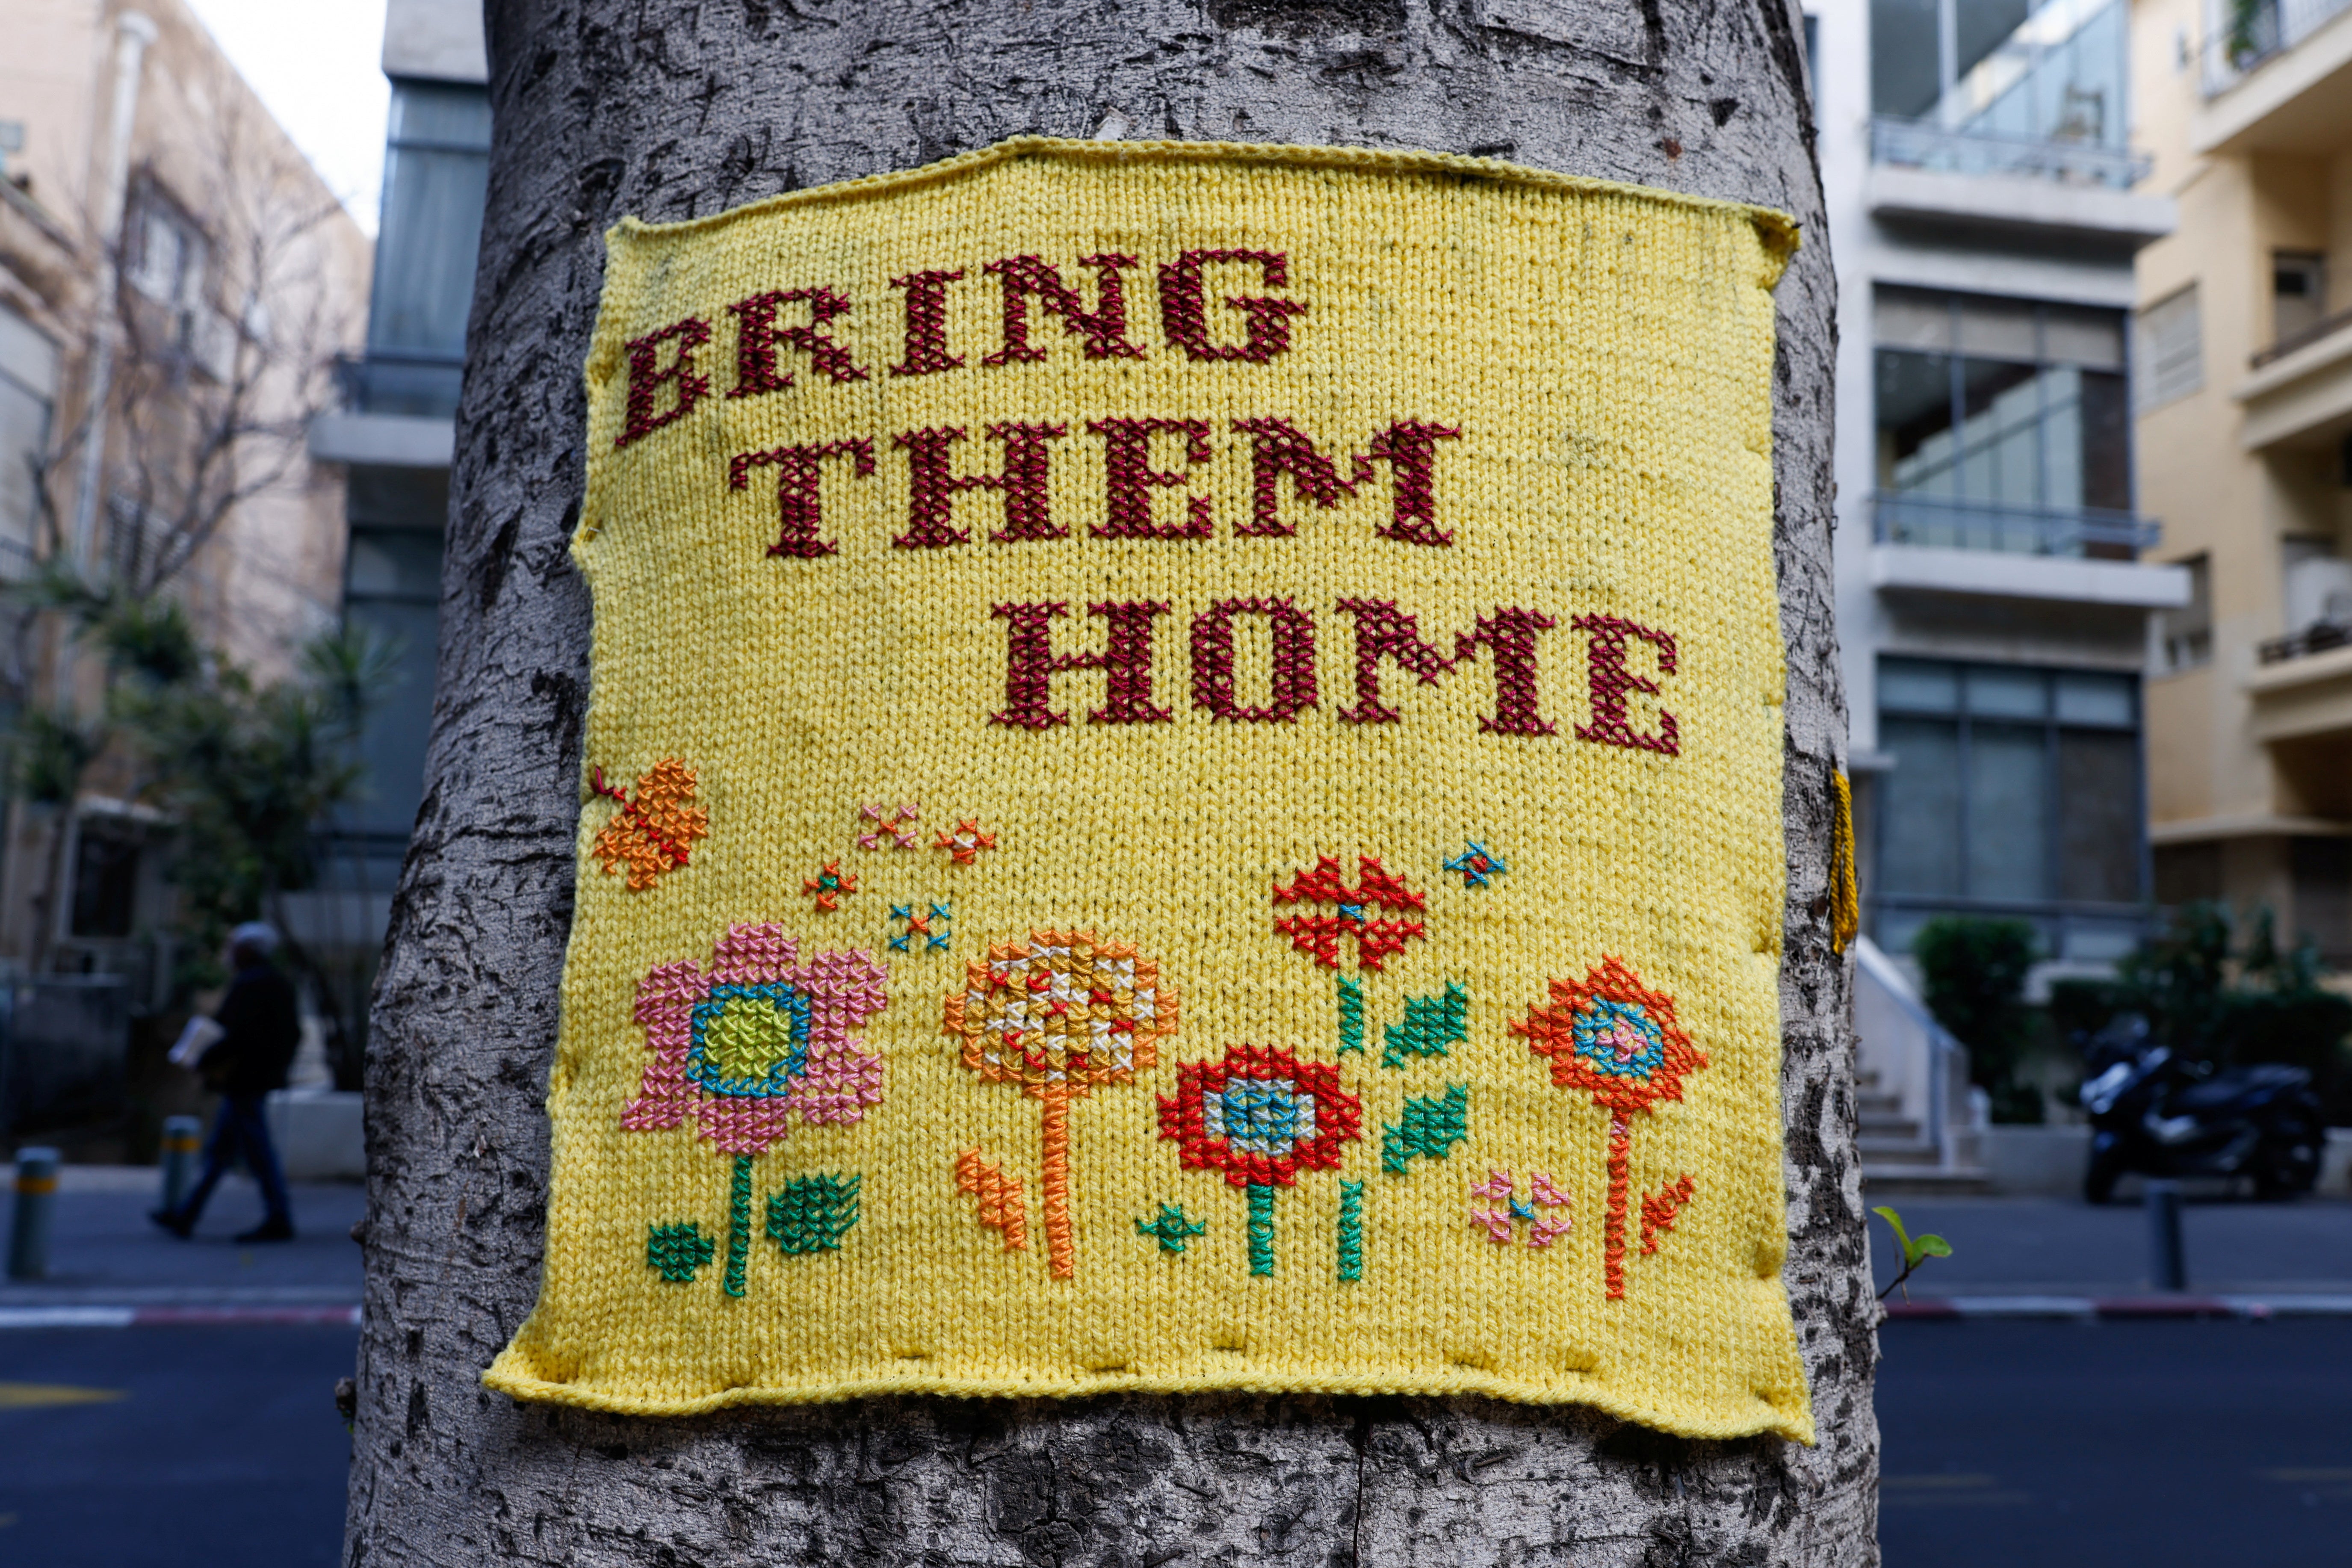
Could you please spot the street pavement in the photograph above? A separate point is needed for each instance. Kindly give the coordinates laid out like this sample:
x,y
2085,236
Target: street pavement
x,y
2147,1443
179,1443
2020,1246
2020,1443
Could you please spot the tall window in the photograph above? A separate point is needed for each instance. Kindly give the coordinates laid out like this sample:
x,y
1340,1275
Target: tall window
x,y
2172,359
2011,785
2004,404
28,380
2048,71
393,587
435,168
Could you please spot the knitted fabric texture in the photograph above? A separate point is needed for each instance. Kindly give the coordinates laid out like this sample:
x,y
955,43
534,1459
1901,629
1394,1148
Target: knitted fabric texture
x,y
1235,694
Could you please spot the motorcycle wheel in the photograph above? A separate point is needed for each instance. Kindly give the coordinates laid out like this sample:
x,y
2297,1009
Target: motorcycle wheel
x,y
2099,1179
2285,1170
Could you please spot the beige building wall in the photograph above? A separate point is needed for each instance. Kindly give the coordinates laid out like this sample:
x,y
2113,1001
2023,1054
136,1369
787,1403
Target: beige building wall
x,y
2249,718
282,264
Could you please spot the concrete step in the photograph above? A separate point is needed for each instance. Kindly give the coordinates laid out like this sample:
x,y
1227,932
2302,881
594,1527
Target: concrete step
x,y
1867,1078
1891,1182
1874,1103
1907,1151
1890,1126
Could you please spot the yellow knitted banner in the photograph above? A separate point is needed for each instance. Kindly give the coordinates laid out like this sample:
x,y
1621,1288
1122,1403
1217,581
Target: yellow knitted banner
x,y
1186,795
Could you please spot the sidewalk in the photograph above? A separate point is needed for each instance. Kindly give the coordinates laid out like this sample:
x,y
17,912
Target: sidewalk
x,y
108,1266
2059,1257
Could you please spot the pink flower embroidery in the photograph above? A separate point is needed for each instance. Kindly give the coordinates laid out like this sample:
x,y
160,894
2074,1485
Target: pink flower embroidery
x,y
756,1040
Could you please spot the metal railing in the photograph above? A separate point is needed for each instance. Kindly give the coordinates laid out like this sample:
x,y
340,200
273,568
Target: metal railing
x,y
2320,637
2093,532
2254,32
1925,144
2301,338
394,382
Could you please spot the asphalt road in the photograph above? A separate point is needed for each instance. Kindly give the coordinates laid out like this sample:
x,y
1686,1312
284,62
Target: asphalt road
x,y
2214,1444
173,1448
2195,1443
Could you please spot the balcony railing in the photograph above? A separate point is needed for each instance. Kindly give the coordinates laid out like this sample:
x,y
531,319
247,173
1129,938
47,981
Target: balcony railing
x,y
2254,32
2320,637
2092,532
2304,338
1923,144
382,381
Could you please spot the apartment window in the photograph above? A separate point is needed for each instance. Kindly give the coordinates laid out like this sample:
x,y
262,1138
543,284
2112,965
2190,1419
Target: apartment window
x,y
28,380
2171,357
393,587
437,166
2185,636
2006,68
106,878
2011,785
167,252
2013,402
2298,293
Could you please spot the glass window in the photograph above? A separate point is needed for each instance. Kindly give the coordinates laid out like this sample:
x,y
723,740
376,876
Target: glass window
x,y
2008,403
2298,293
1916,685
2011,787
2053,71
436,169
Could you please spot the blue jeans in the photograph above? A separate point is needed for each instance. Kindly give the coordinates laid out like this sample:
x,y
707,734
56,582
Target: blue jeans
x,y
240,1128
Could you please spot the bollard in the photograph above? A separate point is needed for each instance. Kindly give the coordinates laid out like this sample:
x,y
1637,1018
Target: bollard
x,y
2168,1269
183,1135
37,1200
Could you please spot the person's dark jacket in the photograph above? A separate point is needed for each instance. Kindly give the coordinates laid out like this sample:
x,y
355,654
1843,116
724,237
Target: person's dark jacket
x,y
264,1025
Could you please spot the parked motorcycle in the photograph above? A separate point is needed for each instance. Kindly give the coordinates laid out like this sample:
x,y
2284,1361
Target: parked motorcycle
x,y
2158,1115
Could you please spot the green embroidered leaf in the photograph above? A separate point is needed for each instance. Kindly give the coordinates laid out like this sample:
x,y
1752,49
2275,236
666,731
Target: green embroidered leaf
x,y
1431,1023
1429,1129
813,1213
1351,1014
676,1251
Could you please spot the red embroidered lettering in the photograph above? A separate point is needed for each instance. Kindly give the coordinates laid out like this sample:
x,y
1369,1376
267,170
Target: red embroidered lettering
x,y
1409,447
1385,631
1031,663
927,324
647,375
757,335
1185,310
1293,631
1278,447
1612,683
799,506
1104,327
1129,477
931,508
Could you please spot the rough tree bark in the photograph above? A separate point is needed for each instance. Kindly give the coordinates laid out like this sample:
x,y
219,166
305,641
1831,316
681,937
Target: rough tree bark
x,y
670,109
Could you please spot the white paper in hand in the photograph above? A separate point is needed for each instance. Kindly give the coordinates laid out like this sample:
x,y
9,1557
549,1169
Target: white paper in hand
x,y
201,1035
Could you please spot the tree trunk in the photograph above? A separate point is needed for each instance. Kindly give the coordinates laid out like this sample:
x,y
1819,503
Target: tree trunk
x,y
669,110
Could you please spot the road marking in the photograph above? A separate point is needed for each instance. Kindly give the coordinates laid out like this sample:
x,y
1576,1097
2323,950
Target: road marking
x,y
1939,1482
41,1395
1965,1490
2305,1474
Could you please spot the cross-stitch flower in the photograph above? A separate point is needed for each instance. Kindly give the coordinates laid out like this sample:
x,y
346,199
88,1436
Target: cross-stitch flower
x,y
657,830
1477,865
1260,1116
894,827
931,924
759,1039
1618,1041
1354,912
1057,1015
829,886
963,844
1510,1211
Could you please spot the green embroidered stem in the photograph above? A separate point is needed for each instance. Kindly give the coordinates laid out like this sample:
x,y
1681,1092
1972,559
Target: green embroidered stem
x,y
1261,1228
1351,1014
739,1223
1351,1230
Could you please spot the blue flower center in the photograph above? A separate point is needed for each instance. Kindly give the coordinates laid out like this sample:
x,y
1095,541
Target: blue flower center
x,y
750,1040
1619,1038
1260,1116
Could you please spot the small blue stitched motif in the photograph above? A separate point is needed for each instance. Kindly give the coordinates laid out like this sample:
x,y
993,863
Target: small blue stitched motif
x,y
1477,865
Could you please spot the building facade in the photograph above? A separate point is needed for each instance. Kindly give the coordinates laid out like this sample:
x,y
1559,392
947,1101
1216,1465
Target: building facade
x,y
2245,427
1985,200
392,436
174,278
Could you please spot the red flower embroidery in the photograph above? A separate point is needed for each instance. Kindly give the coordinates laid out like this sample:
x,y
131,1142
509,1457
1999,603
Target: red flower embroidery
x,y
1378,937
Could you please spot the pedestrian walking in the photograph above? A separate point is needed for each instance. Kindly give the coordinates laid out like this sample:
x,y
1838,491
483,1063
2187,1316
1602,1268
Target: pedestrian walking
x,y
260,1025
